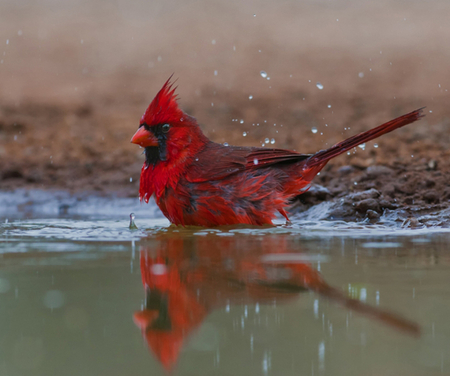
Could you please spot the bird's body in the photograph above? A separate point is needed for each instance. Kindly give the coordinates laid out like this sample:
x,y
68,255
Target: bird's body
x,y
198,182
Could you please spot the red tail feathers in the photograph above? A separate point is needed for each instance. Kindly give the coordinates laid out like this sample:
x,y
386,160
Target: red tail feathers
x,y
323,156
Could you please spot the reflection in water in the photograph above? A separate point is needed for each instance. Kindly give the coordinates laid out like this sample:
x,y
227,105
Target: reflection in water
x,y
187,278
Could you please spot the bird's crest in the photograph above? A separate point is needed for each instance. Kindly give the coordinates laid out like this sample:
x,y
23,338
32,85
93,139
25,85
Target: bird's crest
x,y
164,107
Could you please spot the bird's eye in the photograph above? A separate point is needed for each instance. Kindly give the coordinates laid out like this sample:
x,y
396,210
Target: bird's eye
x,y
165,128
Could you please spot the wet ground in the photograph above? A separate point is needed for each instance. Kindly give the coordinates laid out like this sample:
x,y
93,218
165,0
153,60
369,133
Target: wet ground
x,y
84,294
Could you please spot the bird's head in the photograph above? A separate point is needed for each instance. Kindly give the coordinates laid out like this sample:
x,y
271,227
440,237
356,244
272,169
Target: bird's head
x,y
165,131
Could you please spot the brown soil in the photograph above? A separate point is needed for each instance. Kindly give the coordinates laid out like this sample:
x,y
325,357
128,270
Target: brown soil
x,y
76,79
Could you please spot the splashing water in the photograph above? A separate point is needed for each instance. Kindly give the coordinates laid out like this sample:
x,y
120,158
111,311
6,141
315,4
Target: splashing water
x,y
132,225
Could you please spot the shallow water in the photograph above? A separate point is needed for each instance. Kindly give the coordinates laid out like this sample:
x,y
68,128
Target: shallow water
x,y
80,293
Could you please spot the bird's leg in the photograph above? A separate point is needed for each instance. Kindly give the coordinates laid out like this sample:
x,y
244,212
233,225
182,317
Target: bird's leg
x,y
284,214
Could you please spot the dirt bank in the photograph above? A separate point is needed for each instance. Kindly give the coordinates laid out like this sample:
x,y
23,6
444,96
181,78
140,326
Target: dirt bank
x,y
76,79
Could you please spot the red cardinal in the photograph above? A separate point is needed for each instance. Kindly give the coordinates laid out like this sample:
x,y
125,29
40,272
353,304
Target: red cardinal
x,y
199,182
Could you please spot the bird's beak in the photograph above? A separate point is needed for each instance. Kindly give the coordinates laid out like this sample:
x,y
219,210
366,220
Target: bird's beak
x,y
144,138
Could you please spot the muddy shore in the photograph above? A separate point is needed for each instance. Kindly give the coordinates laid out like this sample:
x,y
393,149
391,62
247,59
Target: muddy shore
x,y
72,93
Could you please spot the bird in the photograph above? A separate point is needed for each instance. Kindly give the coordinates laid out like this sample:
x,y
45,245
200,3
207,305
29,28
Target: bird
x,y
198,182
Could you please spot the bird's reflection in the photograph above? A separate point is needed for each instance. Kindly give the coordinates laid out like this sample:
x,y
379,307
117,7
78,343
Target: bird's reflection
x,y
187,277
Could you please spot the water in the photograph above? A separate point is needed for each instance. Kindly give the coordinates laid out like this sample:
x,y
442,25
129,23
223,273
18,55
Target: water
x,y
84,294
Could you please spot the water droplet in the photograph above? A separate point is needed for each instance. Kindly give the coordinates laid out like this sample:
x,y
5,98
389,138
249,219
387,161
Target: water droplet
x,y
250,97
158,269
329,106
215,73
225,144
362,146
314,130
212,104
363,294
7,41
254,15
263,74
266,141
348,153
255,161
272,141
361,74
132,225
321,355
15,137
242,121
54,299
268,78
131,180
159,58
355,183
319,86
244,134
19,33
375,145
213,41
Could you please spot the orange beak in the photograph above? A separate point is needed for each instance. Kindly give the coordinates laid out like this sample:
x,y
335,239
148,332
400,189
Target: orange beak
x,y
144,138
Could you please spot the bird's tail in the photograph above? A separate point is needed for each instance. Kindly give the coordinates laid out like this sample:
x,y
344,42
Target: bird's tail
x,y
320,158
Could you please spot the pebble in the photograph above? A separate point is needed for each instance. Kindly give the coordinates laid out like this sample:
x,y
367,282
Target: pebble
x,y
431,196
378,170
385,204
372,214
368,204
344,170
432,165
358,196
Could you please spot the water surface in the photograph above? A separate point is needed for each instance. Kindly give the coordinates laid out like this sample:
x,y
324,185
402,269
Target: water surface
x,y
83,294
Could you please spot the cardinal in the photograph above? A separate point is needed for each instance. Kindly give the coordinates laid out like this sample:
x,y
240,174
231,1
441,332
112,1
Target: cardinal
x,y
196,181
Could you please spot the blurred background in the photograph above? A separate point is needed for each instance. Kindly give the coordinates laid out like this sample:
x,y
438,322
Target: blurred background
x,y
75,77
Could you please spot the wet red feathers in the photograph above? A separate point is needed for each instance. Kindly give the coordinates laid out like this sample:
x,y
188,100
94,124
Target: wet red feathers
x,y
198,182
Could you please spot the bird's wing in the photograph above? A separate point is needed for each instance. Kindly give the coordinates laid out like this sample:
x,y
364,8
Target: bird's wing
x,y
216,161
262,157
